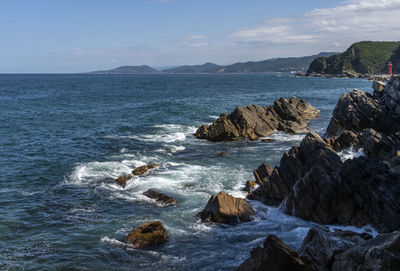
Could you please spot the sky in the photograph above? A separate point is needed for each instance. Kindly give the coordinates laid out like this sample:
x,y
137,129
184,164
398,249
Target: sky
x,y
55,36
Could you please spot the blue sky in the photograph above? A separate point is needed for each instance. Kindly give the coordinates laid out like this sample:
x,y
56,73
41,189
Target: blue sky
x,y
77,36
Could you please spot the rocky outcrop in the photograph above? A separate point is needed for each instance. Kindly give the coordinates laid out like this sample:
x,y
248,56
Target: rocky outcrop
x,y
150,233
321,246
251,122
226,209
325,250
144,169
364,191
374,119
381,254
122,180
276,183
161,198
354,111
274,256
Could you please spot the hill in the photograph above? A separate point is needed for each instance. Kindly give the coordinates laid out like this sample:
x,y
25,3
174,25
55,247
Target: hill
x,y
144,69
205,68
288,64
365,57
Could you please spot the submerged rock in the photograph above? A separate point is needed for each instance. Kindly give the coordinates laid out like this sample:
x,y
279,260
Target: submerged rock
x,y
274,256
122,180
251,122
143,169
160,197
150,233
226,209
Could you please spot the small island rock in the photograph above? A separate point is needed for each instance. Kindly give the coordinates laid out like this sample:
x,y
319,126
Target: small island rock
x,y
122,180
143,169
226,209
150,233
160,197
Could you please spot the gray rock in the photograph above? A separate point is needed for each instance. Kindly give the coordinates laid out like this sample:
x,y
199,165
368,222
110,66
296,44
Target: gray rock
x,y
379,254
274,256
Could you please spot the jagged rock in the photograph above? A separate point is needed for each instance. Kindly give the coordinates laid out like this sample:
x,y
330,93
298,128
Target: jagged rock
x,y
122,180
160,197
263,172
345,140
277,183
320,246
354,112
377,145
379,254
150,233
250,185
274,256
226,209
144,169
251,122
363,191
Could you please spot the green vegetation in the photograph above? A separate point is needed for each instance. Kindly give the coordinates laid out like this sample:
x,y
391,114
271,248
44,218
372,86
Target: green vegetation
x,y
365,57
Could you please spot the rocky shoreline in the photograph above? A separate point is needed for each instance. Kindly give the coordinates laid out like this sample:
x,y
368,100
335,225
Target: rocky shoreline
x,y
312,182
370,77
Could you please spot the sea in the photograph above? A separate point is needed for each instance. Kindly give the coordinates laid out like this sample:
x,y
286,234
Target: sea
x,y
65,138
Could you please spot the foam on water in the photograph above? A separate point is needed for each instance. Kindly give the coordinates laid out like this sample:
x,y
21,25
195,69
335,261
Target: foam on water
x,y
350,153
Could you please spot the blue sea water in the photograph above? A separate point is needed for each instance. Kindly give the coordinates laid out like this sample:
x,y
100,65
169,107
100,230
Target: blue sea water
x,y
66,138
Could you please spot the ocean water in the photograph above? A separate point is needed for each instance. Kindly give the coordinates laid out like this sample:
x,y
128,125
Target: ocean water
x,y
65,139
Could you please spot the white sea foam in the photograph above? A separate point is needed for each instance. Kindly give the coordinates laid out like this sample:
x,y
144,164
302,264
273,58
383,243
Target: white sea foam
x,y
366,229
285,137
350,153
115,242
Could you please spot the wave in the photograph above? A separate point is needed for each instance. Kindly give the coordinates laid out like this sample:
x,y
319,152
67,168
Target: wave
x,y
350,153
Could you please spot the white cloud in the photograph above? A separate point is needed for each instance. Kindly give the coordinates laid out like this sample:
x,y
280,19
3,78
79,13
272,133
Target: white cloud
x,y
351,21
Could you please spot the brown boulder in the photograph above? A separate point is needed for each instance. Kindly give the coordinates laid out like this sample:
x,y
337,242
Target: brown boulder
x,y
160,197
226,209
150,233
274,256
144,169
122,180
251,122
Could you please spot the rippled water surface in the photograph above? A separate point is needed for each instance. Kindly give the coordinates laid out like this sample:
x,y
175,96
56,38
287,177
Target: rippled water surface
x,y
65,138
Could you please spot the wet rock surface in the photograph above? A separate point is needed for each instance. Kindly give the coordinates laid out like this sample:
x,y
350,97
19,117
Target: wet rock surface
x,y
226,209
251,122
160,197
144,169
122,180
148,234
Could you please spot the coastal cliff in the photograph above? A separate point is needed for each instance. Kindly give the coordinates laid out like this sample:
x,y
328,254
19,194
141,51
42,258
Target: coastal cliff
x,y
311,182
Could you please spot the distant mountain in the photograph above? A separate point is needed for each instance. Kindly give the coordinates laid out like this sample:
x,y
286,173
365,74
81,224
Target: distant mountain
x,y
288,64
144,69
205,68
365,57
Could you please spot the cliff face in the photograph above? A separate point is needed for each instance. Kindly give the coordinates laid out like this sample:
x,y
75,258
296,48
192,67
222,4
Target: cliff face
x,y
366,57
396,61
